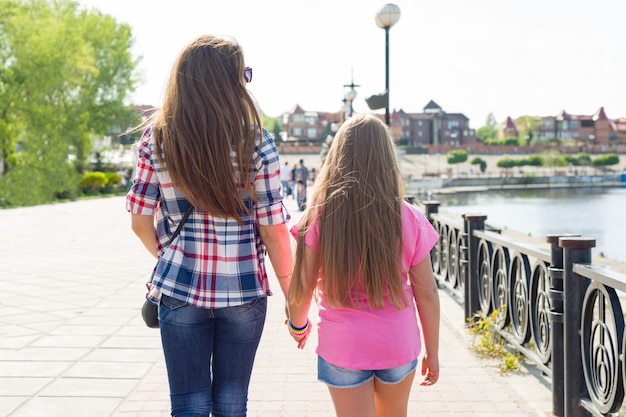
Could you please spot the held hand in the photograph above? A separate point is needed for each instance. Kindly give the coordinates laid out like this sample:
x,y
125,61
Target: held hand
x,y
299,336
430,368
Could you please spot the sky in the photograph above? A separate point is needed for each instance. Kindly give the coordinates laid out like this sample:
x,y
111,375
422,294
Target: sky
x,y
506,57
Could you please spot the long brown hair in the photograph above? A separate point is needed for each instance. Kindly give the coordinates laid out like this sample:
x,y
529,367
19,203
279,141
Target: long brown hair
x,y
207,114
358,200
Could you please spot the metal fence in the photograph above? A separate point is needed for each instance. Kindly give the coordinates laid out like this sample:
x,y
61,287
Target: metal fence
x,y
554,307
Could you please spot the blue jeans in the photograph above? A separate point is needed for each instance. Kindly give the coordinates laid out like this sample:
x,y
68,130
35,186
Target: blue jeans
x,y
209,356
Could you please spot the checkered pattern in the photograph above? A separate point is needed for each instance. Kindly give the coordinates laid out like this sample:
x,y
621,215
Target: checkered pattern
x,y
214,262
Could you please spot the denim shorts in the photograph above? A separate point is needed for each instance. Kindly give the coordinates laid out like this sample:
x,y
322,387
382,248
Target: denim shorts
x,y
337,377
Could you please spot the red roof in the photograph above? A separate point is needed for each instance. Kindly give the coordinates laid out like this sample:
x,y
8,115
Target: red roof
x,y
600,115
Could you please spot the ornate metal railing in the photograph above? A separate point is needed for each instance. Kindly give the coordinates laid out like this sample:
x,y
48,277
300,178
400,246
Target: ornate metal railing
x,y
554,307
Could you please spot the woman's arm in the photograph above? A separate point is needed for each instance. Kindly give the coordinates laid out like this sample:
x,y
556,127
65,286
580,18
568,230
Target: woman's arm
x,y
427,300
277,241
144,228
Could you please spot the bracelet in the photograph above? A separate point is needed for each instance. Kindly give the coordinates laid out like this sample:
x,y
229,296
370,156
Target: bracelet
x,y
298,331
285,276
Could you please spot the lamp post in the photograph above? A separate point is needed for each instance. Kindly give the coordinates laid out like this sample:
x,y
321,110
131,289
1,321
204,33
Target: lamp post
x,y
385,19
351,95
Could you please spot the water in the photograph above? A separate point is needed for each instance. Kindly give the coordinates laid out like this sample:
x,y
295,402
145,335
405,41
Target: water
x,y
598,213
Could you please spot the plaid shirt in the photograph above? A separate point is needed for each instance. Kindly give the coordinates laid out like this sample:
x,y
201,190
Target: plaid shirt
x,y
214,262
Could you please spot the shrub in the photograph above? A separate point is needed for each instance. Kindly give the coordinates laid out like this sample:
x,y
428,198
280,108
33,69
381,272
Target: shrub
x,y
93,182
506,163
489,344
535,160
606,160
114,182
456,156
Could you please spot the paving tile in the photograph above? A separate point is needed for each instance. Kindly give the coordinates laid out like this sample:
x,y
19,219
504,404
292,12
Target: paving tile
x,y
33,368
89,387
67,407
109,370
22,386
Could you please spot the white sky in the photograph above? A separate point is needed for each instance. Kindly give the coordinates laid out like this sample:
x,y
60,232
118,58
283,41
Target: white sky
x,y
508,57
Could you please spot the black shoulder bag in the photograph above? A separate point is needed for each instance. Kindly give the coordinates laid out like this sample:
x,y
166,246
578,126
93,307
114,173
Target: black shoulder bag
x,y
149,310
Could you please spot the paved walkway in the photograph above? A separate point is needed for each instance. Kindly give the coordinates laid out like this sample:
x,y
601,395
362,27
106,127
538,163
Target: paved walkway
x,y
72,342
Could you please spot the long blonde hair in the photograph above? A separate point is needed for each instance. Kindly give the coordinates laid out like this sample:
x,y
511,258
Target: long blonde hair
x,y
207,114
358,202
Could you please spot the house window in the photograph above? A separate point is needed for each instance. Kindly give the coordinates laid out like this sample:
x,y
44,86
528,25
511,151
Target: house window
x,y
419,123
297,118
311,132
452,124
296,131
548,123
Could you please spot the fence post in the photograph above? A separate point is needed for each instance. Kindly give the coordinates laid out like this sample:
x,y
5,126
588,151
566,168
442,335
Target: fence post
x,y
576,250
471,223
431,207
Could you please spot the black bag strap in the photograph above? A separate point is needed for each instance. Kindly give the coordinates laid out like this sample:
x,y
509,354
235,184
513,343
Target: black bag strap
x,y
182,222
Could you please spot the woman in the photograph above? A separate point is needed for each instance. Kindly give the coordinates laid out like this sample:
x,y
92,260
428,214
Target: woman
x,y
366,251
206,147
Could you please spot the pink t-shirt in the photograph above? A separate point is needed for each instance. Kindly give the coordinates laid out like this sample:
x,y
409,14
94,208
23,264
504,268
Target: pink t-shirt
x,y
375,338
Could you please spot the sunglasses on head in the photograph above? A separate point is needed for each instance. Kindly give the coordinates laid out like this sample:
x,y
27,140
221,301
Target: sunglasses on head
x,y
247,74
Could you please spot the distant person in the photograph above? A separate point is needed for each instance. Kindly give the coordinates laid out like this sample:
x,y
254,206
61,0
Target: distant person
x,y
301,194
312,175
365,254
285,180
211,279
293,178
302,174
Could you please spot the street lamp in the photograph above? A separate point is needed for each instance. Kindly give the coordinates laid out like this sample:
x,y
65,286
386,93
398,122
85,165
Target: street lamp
x,y
385,19
351,95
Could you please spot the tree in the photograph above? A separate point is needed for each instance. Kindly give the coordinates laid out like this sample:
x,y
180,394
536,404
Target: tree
x,y
480,162
489,130
456,156
65,80
527,128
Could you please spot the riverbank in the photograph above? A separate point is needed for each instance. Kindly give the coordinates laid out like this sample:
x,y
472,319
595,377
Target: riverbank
x,y
435,166
414,166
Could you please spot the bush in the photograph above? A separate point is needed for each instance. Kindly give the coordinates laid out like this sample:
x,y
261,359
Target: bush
x,y
27,186
506,163
535,160
606,160
93,182
456,156
489,344
414,150
114,182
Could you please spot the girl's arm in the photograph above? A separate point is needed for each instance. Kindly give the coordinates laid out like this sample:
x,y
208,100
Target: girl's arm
x,y
144,228
299,304
427,300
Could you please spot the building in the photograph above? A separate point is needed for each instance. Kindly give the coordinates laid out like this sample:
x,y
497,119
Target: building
x,y
309,126
595,129
434,127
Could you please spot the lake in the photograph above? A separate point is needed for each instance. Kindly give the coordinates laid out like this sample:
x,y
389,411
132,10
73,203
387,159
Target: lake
x,y
598,213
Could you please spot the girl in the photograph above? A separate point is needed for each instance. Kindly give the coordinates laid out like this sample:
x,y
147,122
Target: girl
x,y
366,251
